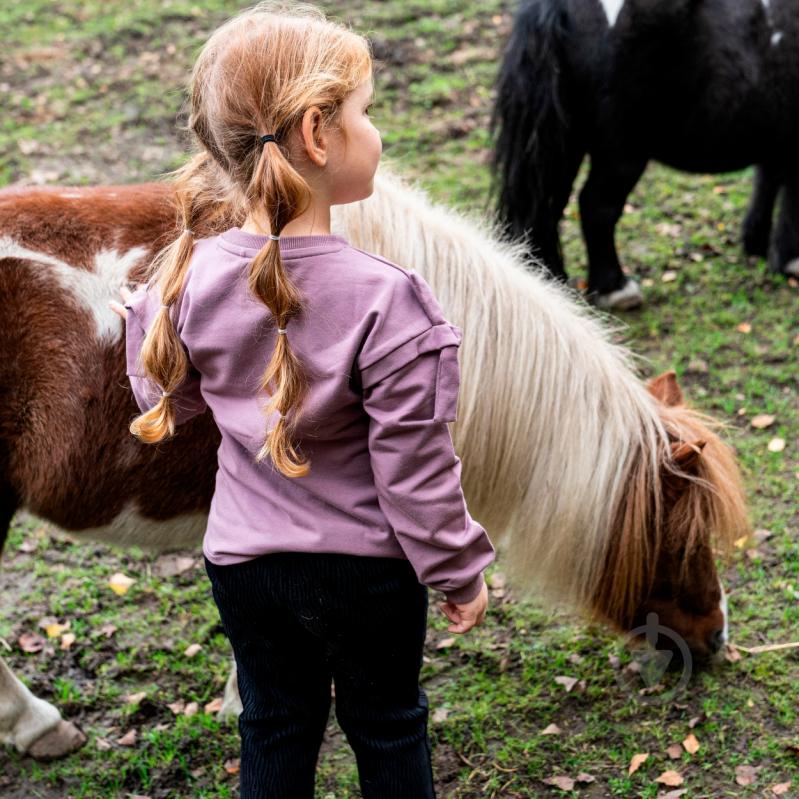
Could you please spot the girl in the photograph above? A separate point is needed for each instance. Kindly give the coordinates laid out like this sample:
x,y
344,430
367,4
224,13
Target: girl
x,y
337,501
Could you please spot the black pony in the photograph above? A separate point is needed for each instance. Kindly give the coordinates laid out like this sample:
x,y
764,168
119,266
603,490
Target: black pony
x,y
699,85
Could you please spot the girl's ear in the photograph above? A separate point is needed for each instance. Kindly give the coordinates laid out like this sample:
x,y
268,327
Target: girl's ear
x,y
313,137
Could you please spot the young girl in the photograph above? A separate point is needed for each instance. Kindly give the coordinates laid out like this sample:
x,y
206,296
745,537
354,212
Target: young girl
x,y
332,375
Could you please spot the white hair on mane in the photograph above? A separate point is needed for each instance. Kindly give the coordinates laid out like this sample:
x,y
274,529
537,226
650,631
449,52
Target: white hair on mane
x,y
552,419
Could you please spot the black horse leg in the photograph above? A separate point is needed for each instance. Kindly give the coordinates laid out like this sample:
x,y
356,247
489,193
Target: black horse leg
x,y
784,252
757,223
601,204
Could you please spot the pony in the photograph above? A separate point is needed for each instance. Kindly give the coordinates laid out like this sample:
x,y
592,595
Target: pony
x,y
604,493
698,85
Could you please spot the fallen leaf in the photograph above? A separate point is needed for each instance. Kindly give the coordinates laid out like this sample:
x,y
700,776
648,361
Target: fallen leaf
x,y
674,751
177,707
776,445
108,630
67,640
731,654
120,583
128,739
497,580
214,706
54,630
192,709
744,327
567,682
192,650
670,778
669,276
552,729
763,420
781,788
585,778
134,699
691,744
102,744
746,775
445,642
697,719
232,766
564,783
673,794
31,642
636,763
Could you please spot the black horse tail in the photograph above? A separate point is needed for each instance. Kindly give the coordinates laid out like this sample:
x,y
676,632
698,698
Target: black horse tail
x,y
537,150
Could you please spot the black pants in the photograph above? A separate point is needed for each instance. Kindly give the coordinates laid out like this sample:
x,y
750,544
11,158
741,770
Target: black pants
x,y
296,621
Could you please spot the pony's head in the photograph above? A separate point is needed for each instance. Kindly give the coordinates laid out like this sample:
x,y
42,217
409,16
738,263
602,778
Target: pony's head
x,y
670,525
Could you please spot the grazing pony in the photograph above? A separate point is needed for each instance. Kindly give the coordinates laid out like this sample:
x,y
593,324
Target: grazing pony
x,y
699,85
605,494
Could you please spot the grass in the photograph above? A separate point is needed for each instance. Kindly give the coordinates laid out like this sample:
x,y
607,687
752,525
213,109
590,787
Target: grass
x,y
93,92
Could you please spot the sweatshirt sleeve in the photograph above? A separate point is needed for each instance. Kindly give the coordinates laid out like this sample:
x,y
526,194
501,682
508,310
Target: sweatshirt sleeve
x,y
142,305
410,393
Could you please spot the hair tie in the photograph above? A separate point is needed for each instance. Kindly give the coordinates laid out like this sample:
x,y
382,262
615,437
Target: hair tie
x,y
165,306
273,237
189,230
268,137
281,330
165,393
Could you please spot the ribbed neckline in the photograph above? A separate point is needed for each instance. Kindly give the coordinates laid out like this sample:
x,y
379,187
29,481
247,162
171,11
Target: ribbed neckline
x,y
322,242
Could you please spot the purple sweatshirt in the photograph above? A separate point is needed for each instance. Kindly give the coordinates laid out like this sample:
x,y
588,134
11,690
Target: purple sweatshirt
x,y
383,377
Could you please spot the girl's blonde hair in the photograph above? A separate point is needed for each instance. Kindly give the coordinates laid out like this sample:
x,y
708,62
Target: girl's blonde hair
x,y
258,73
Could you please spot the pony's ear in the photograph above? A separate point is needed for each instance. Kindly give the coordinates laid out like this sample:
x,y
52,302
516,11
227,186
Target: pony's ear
x,y
686,455
664,387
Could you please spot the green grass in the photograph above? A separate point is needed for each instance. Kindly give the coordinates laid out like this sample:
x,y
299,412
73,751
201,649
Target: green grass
x,y
94,92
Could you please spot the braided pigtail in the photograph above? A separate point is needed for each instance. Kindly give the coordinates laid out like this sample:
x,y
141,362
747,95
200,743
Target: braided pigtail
x,y
284,193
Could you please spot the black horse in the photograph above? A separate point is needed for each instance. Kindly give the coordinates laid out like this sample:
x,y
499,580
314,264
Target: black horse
x,y
700,85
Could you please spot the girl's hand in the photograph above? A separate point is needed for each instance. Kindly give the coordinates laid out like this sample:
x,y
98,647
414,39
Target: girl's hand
x,y
467,615
118,307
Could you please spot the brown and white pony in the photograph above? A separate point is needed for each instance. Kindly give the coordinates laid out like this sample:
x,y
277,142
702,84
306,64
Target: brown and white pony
x,y
601,492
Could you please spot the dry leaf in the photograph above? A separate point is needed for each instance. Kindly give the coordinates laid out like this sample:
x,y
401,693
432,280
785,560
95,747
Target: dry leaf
x,y
102,744
564,783
445,642
696,720
552,729
691,744
177,707
497,580
128,739
214,706
669,276
134,699
585,778
55,629
192,650
192,709
763,420
670,778
776,445
781,788
744,327
232,766
731,654
567,682
108,630
31,642
637,762
674,751
745,775
120,583
67,640
673,794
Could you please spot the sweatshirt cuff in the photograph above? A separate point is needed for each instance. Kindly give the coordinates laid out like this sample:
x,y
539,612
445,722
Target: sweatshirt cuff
x,y
466,593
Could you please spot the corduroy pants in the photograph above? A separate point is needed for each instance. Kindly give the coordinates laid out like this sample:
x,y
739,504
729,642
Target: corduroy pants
x,y
299,620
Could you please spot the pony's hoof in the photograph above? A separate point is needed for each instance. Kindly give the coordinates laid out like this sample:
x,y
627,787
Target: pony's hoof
x,y
62,740
626,298
792,268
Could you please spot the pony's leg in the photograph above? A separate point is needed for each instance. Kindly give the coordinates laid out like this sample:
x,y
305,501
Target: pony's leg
x,y
231,703
757,223
28,723
601,204
784,254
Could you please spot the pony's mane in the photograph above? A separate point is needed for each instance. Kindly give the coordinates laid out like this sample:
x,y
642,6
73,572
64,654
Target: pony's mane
x,y
563,446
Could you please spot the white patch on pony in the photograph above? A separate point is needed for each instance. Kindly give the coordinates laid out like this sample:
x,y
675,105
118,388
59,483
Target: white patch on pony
x,y
792,268
776,38
612,9
725,633
70,196
91,289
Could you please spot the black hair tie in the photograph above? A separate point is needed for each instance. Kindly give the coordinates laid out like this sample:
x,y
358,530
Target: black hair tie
x,y
268,137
